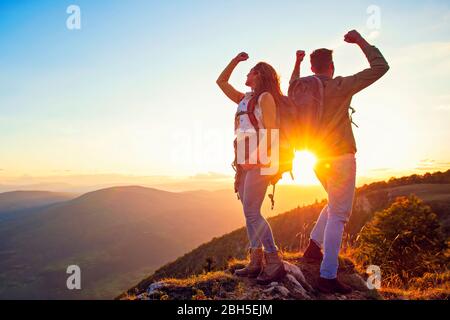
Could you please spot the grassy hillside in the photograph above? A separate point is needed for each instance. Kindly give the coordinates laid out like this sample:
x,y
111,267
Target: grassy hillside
x,y
291,229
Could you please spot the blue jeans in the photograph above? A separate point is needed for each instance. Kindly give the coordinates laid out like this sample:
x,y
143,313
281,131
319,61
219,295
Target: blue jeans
x,y
337,176
252,190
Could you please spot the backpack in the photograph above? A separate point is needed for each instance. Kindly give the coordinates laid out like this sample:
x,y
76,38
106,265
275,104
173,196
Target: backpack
x,y
299,118
285,115
307,95
287,132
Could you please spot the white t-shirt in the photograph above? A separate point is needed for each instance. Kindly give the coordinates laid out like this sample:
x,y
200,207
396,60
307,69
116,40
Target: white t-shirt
x,y
244,122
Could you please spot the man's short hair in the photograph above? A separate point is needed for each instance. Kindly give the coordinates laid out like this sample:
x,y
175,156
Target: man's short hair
x,y
321,59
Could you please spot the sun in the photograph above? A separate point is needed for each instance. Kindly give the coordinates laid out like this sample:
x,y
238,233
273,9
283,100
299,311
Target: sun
x,y
303,169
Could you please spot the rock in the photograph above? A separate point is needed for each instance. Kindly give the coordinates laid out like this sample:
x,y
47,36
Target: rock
x,y
269,290
297,274
297,287
300,294
295,271
360,283
294,281
300,283
154,287
142,296
245,296
283,291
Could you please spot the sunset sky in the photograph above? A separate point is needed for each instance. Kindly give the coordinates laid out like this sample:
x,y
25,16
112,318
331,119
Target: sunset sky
x,y
133,92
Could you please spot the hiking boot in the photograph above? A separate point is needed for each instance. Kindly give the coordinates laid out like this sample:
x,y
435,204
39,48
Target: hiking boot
x,y
273,269
254,267
313,251
333,286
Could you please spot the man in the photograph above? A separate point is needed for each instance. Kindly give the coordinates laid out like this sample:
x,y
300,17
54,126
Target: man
x,y
335,148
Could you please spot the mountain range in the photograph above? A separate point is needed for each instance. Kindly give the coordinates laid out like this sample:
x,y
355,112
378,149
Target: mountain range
x,y
121,235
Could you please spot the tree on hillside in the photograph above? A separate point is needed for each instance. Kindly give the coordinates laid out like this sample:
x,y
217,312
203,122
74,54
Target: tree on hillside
x,y
209,265
434,178
405,240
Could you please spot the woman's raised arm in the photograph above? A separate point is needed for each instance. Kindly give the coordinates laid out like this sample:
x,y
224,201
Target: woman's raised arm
x,y
224,77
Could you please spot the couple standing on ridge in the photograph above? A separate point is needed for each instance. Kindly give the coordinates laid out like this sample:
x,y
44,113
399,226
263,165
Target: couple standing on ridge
x,y
334,146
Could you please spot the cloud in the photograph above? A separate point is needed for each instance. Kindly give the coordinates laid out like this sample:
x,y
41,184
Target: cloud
x,y
381,169
375,34
427,54
432,165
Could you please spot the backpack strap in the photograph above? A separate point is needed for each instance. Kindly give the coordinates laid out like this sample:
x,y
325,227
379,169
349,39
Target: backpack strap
x,y
272,196
251,116
274,183
325,128
352,111
321,88
251,113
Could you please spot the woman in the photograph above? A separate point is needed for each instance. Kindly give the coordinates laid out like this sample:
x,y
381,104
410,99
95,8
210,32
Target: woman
x,y
250,184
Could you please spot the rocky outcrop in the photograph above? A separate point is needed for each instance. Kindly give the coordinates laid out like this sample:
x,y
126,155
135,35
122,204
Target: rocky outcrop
x,y
299,284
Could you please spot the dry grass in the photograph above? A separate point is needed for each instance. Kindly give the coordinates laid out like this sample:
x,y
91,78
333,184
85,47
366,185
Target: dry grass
x,y
431,286
430,294
292,255
196,279
234,263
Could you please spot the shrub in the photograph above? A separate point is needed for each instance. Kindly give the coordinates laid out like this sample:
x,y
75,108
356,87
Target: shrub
x,y
405,240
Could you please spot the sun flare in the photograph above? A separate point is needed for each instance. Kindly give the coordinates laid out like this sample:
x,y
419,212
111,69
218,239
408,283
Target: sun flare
x,y
303,169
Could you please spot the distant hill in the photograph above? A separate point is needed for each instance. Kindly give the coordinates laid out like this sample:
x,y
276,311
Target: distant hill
x,y
14,205
291,229
19,200
115,235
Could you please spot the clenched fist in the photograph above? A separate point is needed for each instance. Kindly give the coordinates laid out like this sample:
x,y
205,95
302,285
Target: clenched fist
x,y
300,55
353,37
241,57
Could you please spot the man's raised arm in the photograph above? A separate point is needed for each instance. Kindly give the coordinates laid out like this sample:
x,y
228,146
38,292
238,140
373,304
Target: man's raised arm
x,y
378,65
300,55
